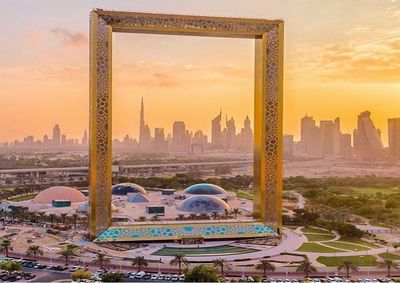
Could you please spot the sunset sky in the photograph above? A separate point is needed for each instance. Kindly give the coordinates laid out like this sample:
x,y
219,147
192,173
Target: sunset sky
x,y
341,57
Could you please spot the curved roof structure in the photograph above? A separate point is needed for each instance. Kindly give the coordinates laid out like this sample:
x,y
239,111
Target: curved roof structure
x,y
59,193
136,197
205,189
123,189
84,207
203,204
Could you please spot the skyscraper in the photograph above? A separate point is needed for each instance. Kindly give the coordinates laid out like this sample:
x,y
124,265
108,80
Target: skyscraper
x,y
394,137
144,131
307,123
216,135
288,146
246,136
179,136
367,140
336,136
160,144
327,137
230,139
56,139
85,138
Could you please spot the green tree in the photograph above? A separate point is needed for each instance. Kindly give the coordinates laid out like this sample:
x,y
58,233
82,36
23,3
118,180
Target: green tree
x,y
34,251
306,268
112,277
68,253
140,262
81,274
179,260
222,265
10,266
102,259
389,265
201,273
236,212
264,266
6,246
348,266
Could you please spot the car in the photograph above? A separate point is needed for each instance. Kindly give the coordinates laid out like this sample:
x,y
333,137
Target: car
x,y
140,275
167,277
154,277
175,277
147,276
160,277
132,275
182,278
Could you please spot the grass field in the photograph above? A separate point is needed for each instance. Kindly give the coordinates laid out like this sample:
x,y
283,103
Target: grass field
x,y
203,251
363,260
314,230
346,246
23,197
362,191
244,195
389,256
319,237
316,248
357,241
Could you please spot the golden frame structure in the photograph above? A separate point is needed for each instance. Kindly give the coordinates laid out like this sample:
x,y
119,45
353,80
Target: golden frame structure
x,y
268,35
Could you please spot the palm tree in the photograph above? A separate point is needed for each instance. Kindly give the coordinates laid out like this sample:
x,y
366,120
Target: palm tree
x,y
179,259
222,265
63,217
236,212
101,259
68,253
75,217
180,217
142,219
306,267
140,262
348,266
6,246
155,218
226,213
34,251
215,215
389,265
264,266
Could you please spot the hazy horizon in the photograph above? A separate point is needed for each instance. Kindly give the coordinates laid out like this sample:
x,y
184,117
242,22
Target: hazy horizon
x,y
347,63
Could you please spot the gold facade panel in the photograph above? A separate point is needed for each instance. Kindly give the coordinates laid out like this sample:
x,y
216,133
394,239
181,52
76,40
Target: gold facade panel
x,y
268,101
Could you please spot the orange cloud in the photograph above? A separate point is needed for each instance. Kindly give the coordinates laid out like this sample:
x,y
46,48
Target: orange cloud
x,y
71,38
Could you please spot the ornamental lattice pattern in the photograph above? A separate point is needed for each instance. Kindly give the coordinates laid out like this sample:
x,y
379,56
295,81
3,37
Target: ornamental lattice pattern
x,y
102,25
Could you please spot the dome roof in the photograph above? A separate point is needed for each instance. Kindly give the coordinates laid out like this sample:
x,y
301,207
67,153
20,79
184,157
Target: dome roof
x,y
59,193
136,197
203,204
84,207
205,189
123,189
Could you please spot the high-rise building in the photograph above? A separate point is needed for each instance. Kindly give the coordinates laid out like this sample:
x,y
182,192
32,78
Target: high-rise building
x,y
336,136
367,140
85,138
394,137
314,143
216,134
179,136
199,138
230,136
345,146
307,123
160,144
144,131
288,146
46,140
56,139
327,137
63,139
246,136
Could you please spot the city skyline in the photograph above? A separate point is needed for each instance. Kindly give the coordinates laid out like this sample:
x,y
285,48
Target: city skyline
x,y
353,68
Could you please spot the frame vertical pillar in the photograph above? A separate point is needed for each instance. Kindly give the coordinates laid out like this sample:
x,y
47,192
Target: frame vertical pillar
x,y
100,126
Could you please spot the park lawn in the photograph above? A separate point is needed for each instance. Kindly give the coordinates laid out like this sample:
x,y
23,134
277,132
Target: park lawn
x,y
316,248
346,246
357,241
362,260
23,197
314,230
389,256
374,191
319,237
204,251
244,195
